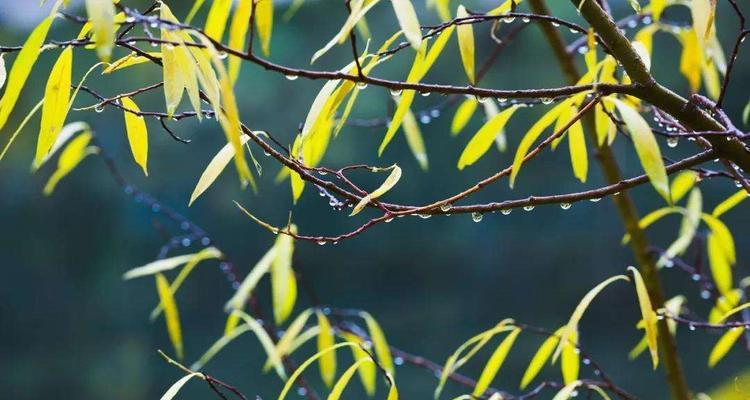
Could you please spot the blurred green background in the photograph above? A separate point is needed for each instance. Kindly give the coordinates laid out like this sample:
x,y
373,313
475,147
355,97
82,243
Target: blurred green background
x,y
72,327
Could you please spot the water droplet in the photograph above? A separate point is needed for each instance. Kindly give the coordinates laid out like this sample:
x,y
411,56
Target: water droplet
x,y
482,99
186,242
434,113
361,85
445,207
691,327
129,20
528,207
169,46
705,294
425,94
583,50
302,391
505,211
132,43
738,184
425,119
595,199
547,100
223,55
565,206
396,92
388,220
556,24
673,141
573,30
424,216
99,108
322,242
476,216
292,77
205,241
398,360
509,19
502,100
526,20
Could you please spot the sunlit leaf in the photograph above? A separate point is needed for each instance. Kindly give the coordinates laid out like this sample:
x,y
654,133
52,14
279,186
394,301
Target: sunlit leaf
x,y
682,184
367,371
166,264
76,150
340,385
485,136
646,147
290,382
326,339
379,343
648,315
102,16
21,68
570,362
175,388
129,61
358,11
238,35
407,19
567,391
284,345
531,136
137,133
495,363
722,347
216,21
214,168
251,281
540,358
264,24
171,314
389,183
283,281
730,203
578,154
219,345
463,115
56,102
414,139
465,33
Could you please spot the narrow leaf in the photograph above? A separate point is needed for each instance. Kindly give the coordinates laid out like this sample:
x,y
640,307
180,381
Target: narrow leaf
x,y
389,183
171,314
137,133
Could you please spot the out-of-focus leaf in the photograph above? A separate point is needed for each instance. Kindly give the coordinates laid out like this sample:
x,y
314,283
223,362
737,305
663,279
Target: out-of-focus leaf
x,y
326,339
76,150
251,280
214,168
570,362
171,314
216,21
340,385
379,343
238,35
284,345
367,371
723,345
407,19
175,388
283,281
465,34
414,139
165,264
730,203
463,115
264,24
290,382
648,315
485,136
102,17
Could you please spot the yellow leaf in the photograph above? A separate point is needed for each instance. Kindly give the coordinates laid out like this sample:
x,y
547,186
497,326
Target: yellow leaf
x,y
194,10
178,67
251,281
485,136
407,19
691,60
567,391
167,264
657,7
175,388
137,133
733,311
682,184
205,254
56,102
723,304
389,183
102,16
129,61
463,115
422,63
326,340
540,358
171,315
216,21
531,136
379,344
358,11
283,281
724,236
414,139
504,7
367,371
290,382
578,155
73,154
465,33
569,360
723,345
340,385
264,24
495,363
214,168
392,391
238,34
721,270
646,147
702,13
21,68
730,203
285,343
648,315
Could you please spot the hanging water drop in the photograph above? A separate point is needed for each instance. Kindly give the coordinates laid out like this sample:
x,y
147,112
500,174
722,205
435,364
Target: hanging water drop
x,y
526,20
565,206
528,207
99,108
425,94
476,216
292,77
322,242
396,92
445,207
505,211
547,100
595,199
481,99
361,85
223,55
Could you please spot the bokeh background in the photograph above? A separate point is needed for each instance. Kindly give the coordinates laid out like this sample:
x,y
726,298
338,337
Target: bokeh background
x,y
71,327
